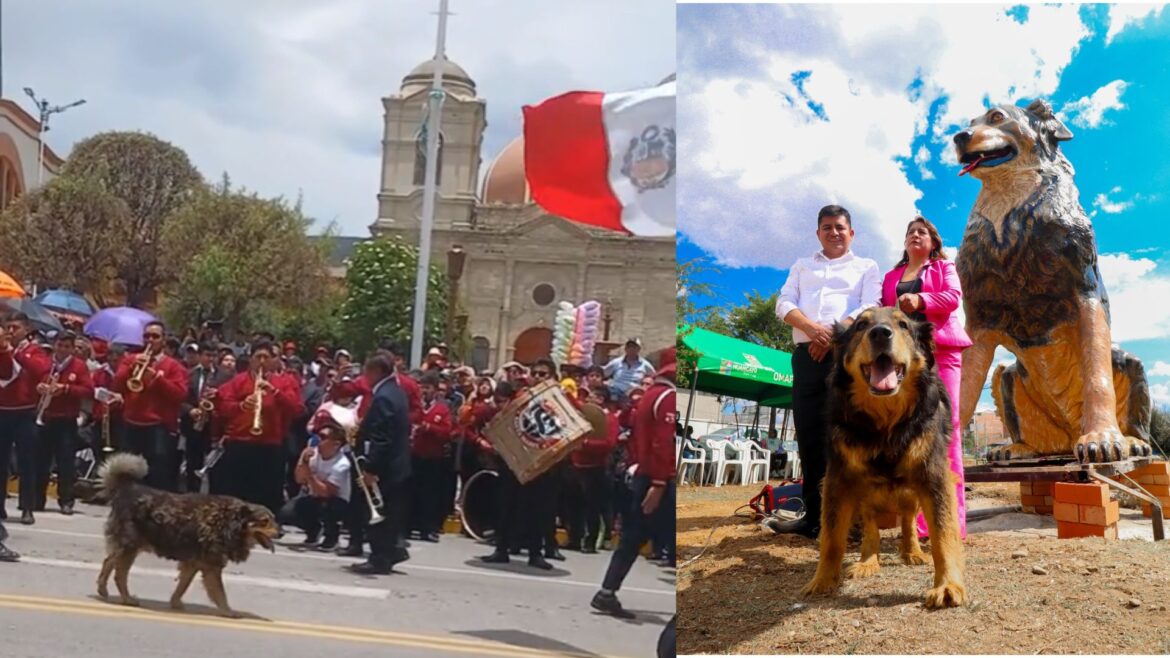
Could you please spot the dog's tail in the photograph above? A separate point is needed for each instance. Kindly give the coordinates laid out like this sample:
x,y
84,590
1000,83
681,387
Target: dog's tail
x,y
120,470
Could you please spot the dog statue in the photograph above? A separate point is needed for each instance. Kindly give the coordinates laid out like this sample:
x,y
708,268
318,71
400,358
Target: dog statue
x,y
1028,266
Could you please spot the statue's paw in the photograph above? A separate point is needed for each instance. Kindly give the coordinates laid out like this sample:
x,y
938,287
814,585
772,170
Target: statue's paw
x,y
864,569
1109,446
947,595
912,558
1010,452
820,585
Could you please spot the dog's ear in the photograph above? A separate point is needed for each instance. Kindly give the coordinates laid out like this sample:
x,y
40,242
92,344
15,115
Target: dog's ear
x,y
1049,122
924,336
841,333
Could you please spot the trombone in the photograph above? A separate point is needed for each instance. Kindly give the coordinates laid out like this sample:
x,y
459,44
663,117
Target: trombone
x,y
373,494
135,384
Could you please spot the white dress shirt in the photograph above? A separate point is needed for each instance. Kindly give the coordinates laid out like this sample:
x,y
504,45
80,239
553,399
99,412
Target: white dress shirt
x,y
829,290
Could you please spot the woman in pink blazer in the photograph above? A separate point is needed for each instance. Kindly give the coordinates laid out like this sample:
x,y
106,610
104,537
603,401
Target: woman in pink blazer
x,y
924,285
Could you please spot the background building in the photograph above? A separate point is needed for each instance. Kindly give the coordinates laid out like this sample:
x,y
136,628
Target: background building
x,y
18,153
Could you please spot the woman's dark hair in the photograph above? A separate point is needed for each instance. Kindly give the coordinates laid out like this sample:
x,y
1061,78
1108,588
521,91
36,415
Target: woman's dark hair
x,y
936,251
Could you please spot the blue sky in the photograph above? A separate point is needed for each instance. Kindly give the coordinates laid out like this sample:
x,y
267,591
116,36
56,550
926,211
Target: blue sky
x,y
784,109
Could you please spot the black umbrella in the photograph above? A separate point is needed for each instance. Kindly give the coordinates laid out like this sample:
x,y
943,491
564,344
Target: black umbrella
x,y
41,318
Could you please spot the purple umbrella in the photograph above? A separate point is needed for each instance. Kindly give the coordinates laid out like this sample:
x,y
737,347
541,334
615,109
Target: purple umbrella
x,y
120,324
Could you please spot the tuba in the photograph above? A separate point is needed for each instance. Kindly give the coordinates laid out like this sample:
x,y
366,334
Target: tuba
x,y
135,384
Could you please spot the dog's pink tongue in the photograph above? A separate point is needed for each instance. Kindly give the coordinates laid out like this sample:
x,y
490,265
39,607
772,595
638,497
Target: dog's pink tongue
x,y
883,377
971,166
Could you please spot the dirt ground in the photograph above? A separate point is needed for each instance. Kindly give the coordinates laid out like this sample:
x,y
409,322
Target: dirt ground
x,y
1083,596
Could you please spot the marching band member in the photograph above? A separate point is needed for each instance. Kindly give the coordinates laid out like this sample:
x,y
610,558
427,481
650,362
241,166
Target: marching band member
x,y
252,466
67,386
105,401
427,444
18,403
151,413
195,418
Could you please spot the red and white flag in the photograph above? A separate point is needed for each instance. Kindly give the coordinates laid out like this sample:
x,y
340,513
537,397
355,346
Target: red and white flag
x,y
607,160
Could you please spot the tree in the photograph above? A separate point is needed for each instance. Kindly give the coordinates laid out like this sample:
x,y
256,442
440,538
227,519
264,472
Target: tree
x,y
1160,429
154,179
379,302
68,234
693,285
238,257
756,322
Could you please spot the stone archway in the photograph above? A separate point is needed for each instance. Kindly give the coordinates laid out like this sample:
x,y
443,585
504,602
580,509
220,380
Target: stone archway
x,y
533,343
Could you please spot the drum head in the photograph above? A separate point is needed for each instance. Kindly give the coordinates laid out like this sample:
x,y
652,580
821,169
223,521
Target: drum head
x,y
478,505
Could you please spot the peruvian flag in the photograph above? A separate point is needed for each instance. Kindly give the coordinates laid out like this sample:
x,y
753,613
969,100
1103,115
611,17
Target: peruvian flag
x,y
607,160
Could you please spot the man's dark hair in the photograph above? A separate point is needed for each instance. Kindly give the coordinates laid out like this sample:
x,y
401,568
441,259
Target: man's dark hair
x,y
156,323
394,347
66,336
601,392
429,378
380,363
173,343
18,316
596,369
263,344
547,363
833,210
504,390
207,348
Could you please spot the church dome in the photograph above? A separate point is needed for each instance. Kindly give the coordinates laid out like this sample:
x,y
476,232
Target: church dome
x,y
456,81
505,182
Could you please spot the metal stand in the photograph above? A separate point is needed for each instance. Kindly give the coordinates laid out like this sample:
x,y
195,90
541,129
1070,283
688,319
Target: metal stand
x,y
1067,469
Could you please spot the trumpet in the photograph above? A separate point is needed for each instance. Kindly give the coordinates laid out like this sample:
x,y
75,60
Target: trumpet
x,y
46,398
135,384
258,400
213,458
373,494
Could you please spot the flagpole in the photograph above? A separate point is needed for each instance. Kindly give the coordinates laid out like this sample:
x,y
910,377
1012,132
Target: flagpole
x,y
434,113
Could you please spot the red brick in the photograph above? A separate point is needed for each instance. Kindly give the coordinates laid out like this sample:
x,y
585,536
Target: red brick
x,y
1026,489
1156,468
1107,515
1049,501
1159,479
1067,530
1042,488
1028,509
1044,510
1032,500
1082,494
1067,512
1158,490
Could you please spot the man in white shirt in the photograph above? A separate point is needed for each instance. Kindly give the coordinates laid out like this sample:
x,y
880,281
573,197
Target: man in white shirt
x,y
323,473
832,286
627,370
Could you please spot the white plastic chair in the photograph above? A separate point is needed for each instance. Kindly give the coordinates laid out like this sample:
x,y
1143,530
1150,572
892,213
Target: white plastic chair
x,y
737,463
716,460
792,469
687,464
758,458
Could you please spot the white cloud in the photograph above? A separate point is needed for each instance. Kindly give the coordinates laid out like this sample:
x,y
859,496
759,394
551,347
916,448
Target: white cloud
x,y
1159,369
1160,394
1132,283
922,158
1089,111
765,161
1122,16
285,95
1109,207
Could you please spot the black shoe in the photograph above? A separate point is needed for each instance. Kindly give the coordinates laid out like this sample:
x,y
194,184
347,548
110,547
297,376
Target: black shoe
x,y
310,540
499,557
555,554
3,514
792,527
26,517
432,537
610,605
539,563
588,550
351,551
7,554
514,551
328,545
67,509
400,555
370,569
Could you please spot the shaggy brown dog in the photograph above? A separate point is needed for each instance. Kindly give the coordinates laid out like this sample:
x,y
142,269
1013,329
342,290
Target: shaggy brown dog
x,y
890,424
203,533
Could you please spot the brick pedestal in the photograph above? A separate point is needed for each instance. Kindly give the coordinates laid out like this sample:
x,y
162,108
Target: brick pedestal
x,y
1085,510
1155,479
1036,498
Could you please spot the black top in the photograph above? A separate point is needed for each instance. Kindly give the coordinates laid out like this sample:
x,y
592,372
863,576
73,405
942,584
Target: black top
x,y
915,287
385,431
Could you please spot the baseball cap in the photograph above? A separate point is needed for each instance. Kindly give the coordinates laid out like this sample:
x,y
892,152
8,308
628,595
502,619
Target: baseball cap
x,y
434,351
634,341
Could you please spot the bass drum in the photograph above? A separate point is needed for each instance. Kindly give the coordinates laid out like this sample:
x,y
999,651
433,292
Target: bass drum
x,y
478,505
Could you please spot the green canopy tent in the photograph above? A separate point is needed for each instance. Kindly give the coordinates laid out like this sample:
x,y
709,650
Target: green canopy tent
x,y
736,368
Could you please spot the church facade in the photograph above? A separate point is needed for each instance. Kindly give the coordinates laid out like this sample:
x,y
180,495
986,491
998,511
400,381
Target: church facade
x,y
520,261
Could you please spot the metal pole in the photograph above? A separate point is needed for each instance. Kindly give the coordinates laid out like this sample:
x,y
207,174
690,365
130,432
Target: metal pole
x,y
434,113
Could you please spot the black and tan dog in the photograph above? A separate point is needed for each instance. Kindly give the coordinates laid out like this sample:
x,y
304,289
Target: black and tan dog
x,y
203,533
1031,283
889,428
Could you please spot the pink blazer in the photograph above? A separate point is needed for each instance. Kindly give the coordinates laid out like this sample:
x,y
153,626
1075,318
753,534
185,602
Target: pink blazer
x,y
941,296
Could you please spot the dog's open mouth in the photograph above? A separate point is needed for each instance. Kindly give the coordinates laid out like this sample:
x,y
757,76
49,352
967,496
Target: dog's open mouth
x,y
975,159
884,375
264,540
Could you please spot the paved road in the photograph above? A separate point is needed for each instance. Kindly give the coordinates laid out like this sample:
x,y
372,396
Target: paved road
x,y
443,602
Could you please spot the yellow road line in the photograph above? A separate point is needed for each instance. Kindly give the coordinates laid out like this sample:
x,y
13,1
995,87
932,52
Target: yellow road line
x,y
322,631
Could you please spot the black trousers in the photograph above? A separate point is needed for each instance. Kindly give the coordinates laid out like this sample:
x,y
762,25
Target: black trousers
x,y
517,523
161,451
585,506
251,472
198,445
636,530
57,442
427,480
313,514
809,397
387,544
357,512
18,429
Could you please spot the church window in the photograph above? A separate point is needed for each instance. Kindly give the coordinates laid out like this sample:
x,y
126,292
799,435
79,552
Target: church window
x,y
480,351
420,159
544,294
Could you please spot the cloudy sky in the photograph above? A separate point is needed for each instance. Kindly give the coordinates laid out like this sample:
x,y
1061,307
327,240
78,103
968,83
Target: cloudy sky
x,y
785,109
285,95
